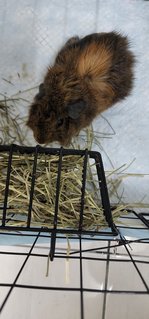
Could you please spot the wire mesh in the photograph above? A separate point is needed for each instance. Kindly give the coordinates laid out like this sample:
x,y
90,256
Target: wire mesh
x,y
105,258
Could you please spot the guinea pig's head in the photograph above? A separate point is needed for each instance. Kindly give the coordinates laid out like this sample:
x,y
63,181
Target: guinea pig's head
x,y
58,110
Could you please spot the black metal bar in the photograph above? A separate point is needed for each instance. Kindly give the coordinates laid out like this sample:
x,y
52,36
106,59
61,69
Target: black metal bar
x,y
46,150
104,193
106,281
63,255
84,169
32,187
71,231
112,292
87,238
7,186
144,220
58,230
81,281
53,234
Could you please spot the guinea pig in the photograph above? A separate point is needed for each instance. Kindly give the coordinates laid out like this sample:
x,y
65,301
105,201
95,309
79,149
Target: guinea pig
x,y
89,75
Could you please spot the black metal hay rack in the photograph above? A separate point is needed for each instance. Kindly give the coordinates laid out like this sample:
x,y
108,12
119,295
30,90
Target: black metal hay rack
x,y
36,151
110,249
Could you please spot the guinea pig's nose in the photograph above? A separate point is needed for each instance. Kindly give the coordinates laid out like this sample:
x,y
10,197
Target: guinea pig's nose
x,y
41,141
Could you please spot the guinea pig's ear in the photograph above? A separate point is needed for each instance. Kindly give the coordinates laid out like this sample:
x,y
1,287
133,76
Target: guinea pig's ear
x,y
41,91
76,108
41,88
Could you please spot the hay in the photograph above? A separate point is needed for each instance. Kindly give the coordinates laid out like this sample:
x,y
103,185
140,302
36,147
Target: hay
x,y
13,127
45,192
11,123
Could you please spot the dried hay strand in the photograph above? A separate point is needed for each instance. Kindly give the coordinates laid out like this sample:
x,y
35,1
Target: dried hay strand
x,y
11,123
13,115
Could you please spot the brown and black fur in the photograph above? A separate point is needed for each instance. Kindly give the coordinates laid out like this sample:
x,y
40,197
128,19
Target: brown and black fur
x,y
89,75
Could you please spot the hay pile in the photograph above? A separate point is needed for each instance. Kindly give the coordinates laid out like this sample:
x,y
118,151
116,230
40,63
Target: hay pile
x,y
45,192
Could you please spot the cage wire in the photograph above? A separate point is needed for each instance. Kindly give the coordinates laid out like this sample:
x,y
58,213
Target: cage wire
x,y
70,272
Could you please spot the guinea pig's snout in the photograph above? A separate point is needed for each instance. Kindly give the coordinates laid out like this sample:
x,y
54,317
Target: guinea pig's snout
x,y
39,131
40,137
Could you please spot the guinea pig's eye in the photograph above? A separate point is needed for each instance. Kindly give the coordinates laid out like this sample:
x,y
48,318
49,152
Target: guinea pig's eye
x,y
60,122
